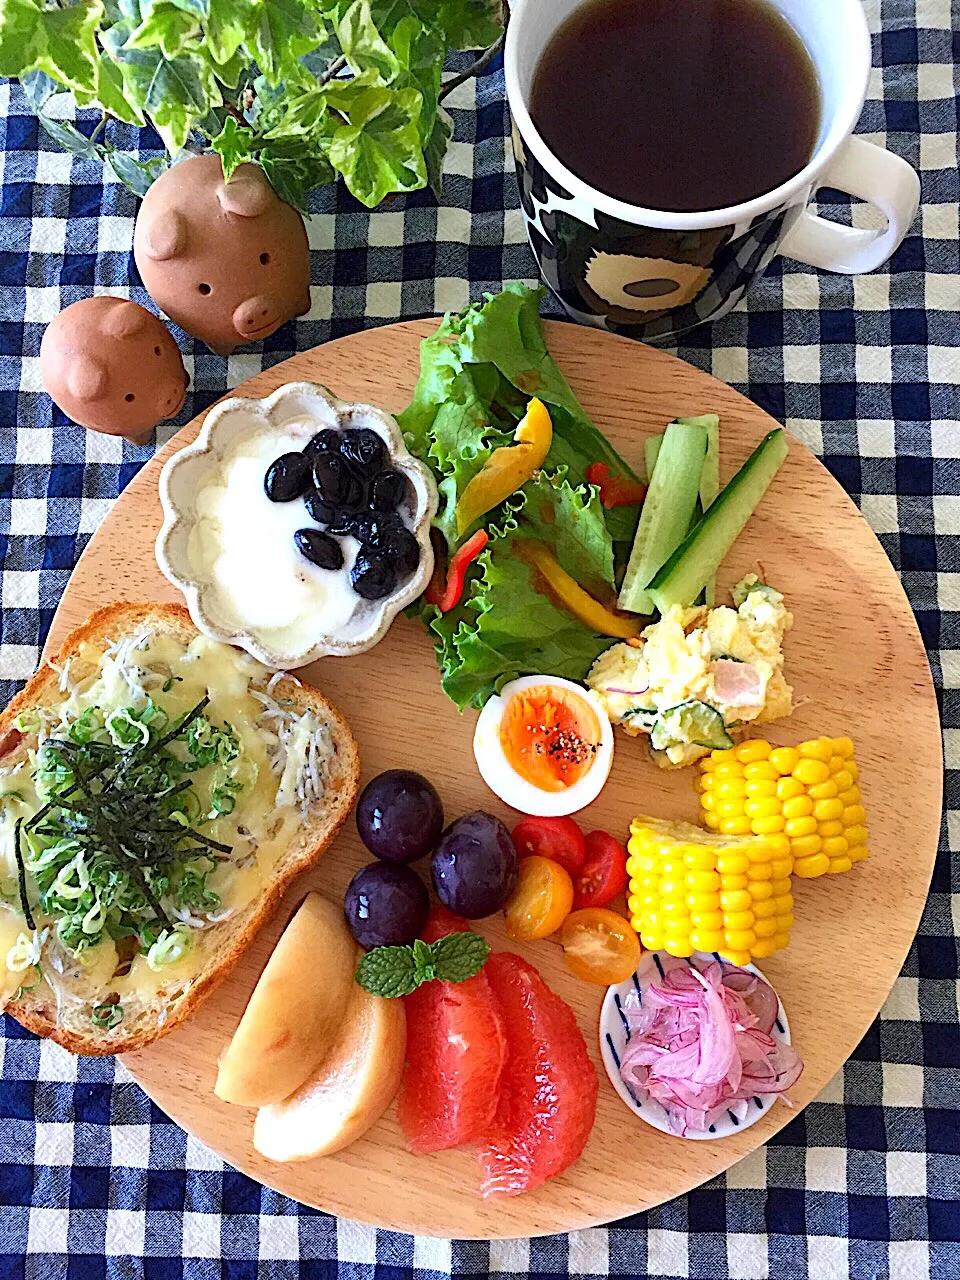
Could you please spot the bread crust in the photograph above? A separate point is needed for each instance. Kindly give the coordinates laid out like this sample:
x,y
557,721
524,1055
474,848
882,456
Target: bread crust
x,y
233,935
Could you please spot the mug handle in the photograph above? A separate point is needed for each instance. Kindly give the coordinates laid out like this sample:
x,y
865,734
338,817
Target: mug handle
x,y
869,172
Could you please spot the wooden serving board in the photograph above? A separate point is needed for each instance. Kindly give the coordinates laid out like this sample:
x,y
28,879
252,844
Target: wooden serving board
x,y
854,653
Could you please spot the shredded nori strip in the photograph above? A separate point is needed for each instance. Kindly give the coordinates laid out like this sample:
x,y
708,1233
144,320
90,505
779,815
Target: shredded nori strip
x,y
22,874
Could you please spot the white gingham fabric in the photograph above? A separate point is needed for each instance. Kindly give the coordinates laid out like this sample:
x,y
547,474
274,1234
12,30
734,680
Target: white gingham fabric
x,y
865,1183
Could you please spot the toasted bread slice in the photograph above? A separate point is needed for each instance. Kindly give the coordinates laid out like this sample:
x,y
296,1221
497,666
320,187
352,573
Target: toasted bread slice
x,y
219,946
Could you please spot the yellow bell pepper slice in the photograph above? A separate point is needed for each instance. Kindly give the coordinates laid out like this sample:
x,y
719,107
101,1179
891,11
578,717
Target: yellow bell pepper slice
x,y
570,593
507,468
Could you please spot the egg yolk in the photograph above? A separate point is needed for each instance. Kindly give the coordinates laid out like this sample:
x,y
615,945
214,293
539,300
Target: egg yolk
x,y
549,737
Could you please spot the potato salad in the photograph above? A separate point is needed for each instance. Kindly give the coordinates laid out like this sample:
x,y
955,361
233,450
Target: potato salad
x,y
699,675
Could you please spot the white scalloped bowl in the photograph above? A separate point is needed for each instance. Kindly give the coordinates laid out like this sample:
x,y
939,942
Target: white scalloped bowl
x,y
298,410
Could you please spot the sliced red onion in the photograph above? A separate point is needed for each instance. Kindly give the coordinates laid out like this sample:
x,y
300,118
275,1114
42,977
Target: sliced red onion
x,y
627,693
700,1045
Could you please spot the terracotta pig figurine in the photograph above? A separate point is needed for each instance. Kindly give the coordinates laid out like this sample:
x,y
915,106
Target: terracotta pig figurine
x,y
112,366
227,261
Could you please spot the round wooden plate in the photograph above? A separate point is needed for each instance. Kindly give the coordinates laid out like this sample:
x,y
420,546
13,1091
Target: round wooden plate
x,y
853,656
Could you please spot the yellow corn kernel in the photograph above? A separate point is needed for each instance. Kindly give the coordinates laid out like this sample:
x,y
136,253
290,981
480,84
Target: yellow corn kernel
x,y
763,947
712,821
801,827
766,807
828,810
783,904
765,908
806,845
735,826
759,871
735,900
798,807
732,862
811,866
836,764
784,759
786,920
853,815
708,801
731,772
731,883
855,835
780,868
752,751
760,771
760,788
781,940
853,769
858,853
742,939
790,788
678,947
810,771
730,788
842,778
651,941
843,747
709,940
701,883
823,790
735,957
723,757
767,826
734,920
760,891
706,920
835,846
818,749
779,846
839,865
765,928
827,829
849,797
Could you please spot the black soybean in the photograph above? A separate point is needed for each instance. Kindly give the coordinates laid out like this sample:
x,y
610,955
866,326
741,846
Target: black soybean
x,y
319,548
373,528
322,512
287,477
387,490
332,478
326,441
364,449
372,576
403,550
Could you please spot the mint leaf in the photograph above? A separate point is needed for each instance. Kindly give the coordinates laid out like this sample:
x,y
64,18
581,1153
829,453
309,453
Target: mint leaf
x,y
387,971
234,145
459,956
423,959
59,42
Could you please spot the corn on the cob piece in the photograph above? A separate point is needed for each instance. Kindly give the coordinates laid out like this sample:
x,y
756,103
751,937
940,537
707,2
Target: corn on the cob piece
x,y
692,890
807,793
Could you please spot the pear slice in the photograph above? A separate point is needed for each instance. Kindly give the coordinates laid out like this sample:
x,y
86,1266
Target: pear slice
x,y
355,1084
294,1015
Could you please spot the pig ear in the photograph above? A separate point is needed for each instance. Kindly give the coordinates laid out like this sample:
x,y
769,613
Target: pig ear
x,y
87,380
247,194
166,236
124,320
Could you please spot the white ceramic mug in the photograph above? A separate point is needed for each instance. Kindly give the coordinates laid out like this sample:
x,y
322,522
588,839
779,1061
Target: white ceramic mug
x,y
652,274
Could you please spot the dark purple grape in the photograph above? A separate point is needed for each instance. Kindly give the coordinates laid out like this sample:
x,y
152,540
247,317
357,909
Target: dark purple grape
x,y
400,816
322,512
364,450
386,905
387,490
474,866
372,575
402,549
332,478
287,477
319,548
326,441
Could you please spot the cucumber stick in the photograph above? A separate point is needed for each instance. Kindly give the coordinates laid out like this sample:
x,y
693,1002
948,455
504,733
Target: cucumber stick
x,y
684,575
709,479
667,508
651,451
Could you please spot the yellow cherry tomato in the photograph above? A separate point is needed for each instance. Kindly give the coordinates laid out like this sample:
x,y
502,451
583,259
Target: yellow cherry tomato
x,y
541,900
600,946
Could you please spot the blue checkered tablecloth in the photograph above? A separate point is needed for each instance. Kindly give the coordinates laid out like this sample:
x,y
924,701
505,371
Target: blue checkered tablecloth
x,y
94,1180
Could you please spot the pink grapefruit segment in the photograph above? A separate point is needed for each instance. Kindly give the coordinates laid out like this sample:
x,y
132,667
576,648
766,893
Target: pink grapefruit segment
x,y
455,1053
548,1089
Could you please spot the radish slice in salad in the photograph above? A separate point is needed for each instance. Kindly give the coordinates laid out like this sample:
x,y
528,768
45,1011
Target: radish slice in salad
x,y
700,1045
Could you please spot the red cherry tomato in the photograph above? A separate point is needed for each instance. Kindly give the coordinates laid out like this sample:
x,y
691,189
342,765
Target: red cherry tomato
x,y
559,839
604,873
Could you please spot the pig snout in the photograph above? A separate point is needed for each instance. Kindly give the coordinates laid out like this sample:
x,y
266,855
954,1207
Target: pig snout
x,y
170,397
257,314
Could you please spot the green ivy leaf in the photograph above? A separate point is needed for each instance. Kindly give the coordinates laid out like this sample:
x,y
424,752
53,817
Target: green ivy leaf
x,y
60,42
435,151
38,87
285,30
363,45
70,138
293,178
470,24
167,28
136,175
234,144
108,94
378,150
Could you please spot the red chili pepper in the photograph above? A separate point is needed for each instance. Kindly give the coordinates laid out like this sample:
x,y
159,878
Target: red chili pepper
x,y
615,491
446,596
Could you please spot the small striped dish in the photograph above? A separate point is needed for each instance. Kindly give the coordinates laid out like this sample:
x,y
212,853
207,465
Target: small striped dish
x,y
614,1037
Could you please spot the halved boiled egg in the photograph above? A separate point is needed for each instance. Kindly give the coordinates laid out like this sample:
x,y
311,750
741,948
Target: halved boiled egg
x,y
544,745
